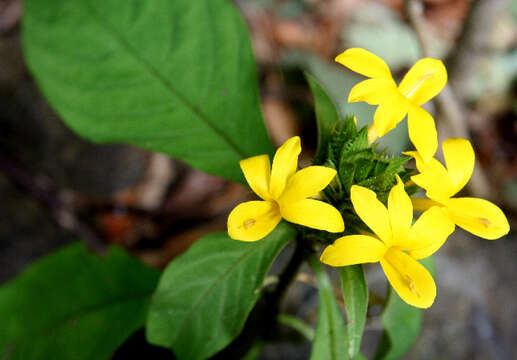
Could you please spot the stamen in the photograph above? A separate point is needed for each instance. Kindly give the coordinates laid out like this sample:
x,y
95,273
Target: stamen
x,y
422,79
249,223
484,221
411,284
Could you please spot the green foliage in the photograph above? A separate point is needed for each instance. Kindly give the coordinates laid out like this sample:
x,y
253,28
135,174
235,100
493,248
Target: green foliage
x,y
355,295
359,163
176,77
326,118
402,323
205,295
330,340
74,305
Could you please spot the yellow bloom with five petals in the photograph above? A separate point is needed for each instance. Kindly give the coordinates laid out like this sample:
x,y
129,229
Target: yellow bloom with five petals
x,y
397,245
423,81
477,216
284,192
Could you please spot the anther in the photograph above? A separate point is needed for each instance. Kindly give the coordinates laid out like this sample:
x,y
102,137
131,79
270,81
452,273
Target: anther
x,y
249,223
411,285
484,221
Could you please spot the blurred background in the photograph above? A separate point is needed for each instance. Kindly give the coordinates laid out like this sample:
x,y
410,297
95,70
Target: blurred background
x,y
56,188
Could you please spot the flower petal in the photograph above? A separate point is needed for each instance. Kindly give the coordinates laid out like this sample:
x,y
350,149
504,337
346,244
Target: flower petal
x,y
421,165
433,178
428,233
400,211
422,132
285,163
422,204
372,134
372,91
253,220
389,113
478,216
364,62
459,158
353,249
410,279
424,81
314,214
437,187
372,212
306,183
257,171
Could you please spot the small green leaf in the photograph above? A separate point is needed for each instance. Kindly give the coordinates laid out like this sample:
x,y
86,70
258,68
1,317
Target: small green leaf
x,y
355,294
327,117
176,77
402,323
330,340
205,295
74,305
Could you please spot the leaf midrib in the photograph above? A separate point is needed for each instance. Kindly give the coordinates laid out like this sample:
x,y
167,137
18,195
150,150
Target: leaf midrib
x,y
165,82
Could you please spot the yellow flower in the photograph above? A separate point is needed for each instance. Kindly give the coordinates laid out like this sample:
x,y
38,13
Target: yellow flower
x,y
285,192
478,216
422,82
398,244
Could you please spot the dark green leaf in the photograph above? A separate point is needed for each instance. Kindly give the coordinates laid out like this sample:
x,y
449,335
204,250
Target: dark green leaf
x,y
327,117
176,77
355,295
205,295
74,305
402,323
330,339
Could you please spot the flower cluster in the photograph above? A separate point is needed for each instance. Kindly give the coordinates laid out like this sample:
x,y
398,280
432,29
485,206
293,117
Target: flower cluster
x,y
395,240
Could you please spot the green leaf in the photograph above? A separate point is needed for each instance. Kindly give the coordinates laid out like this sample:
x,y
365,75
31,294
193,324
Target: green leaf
x,y
402,323
327,118
74,305
176,77
355,295
330,339
205,295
